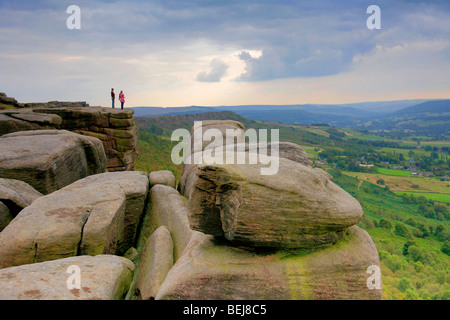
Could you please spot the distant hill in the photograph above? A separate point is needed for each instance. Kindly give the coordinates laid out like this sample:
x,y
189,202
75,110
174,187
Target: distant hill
x,y
419,117
436,106
431,118
164,124
354,109
159,111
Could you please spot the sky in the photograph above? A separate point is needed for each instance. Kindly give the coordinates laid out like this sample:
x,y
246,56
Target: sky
x,y
169,53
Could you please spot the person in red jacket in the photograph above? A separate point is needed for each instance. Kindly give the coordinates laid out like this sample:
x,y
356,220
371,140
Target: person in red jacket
x,y
121,98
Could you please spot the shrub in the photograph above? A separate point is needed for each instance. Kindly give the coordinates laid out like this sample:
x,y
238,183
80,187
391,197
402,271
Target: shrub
x,y
406,246
385,223
446,247
405,284
402,231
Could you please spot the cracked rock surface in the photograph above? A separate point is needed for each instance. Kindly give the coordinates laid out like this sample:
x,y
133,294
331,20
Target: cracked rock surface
x,y
99,214
103,277
50,159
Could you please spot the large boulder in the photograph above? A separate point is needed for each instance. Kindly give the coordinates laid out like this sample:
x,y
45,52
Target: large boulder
x,y
50,159
15,195
99,214
213,270
155,261
19,120
168,208
116,128
298,206
103,277
164,177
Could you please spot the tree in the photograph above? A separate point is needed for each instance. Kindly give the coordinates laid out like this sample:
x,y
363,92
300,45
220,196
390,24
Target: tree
x,y
406,246
385,223
446,247
405,284
441,233
416,254
402,231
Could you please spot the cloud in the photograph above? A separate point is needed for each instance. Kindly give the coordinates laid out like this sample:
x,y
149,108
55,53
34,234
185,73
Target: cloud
x,y
160,46
215,74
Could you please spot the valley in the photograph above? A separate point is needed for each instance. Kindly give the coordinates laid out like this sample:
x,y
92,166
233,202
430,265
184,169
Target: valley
x,y
406,202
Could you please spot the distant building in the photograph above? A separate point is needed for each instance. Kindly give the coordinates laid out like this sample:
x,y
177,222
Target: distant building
x,y
425,173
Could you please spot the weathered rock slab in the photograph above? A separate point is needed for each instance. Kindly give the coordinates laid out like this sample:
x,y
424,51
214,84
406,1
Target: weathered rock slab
x,y
213,270
103,277
168,208
164,177
50,159
99,214
155,261
115,128
14,196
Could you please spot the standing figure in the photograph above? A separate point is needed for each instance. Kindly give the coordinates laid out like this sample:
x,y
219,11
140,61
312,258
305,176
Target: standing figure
x,y
113,97
122,98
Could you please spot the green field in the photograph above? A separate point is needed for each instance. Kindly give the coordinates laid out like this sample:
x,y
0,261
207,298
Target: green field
x,y
359,135
440,197
392,172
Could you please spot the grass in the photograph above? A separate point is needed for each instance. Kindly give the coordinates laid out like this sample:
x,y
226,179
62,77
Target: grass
x,y
361,136
405,152
392,172
440,197
405,183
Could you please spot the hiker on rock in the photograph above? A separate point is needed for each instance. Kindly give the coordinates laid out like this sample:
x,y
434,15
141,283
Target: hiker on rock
x,y
122,98
113,97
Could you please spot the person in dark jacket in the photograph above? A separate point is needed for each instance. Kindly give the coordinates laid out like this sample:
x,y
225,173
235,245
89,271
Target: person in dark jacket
x,y
113,97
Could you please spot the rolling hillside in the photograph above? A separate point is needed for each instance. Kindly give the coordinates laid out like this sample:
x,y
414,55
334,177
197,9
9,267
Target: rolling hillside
x,y
411,233
389,118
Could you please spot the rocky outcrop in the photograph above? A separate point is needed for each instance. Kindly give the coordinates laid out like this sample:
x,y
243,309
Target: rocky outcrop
x,y
99,214
103,277
297,207
15,195
291,235
116,128
212,269
228,233
50,159
7,102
